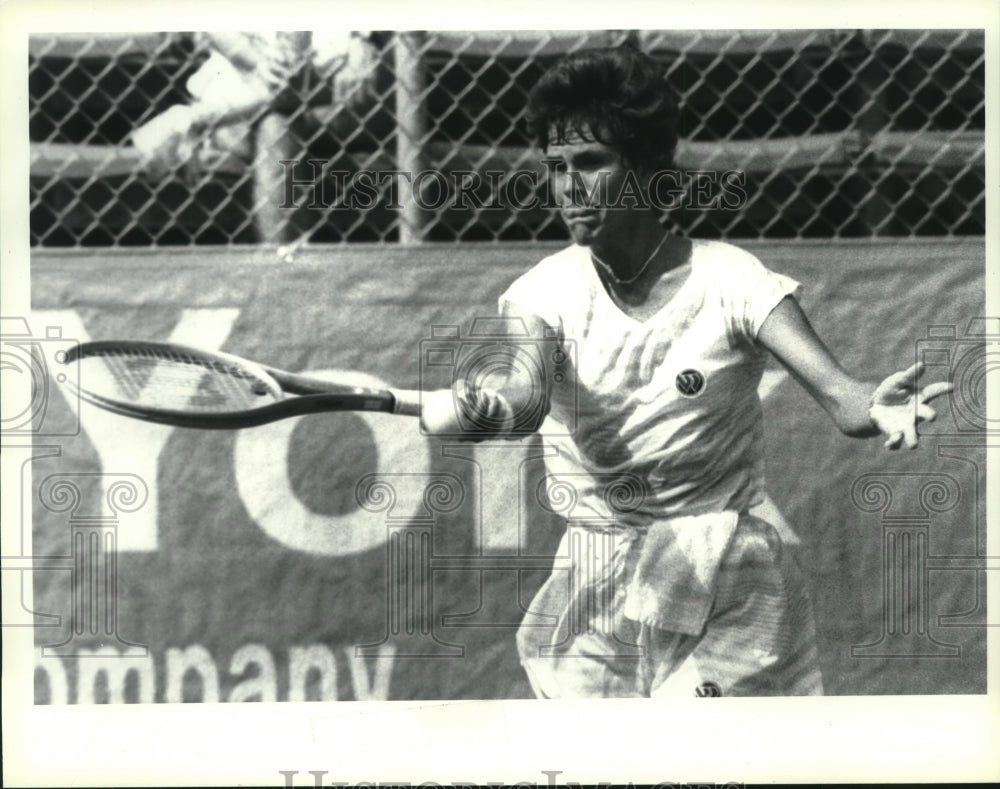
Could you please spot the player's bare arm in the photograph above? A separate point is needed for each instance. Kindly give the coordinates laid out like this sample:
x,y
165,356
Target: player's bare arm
x,y
859,409
496,402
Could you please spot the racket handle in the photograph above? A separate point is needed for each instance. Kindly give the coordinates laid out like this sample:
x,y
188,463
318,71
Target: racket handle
x,y
407,402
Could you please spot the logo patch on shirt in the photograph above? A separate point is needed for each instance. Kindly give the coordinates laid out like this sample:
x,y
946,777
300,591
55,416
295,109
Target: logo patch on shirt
x,y
690,383
708,690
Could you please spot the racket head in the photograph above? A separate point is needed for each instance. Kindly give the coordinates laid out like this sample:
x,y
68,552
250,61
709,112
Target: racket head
x,y
172,383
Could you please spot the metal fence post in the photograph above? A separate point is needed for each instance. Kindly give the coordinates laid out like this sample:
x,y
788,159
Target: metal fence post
x,y
411,117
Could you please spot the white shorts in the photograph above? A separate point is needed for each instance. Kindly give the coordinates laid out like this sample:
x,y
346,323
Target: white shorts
x,y
758,639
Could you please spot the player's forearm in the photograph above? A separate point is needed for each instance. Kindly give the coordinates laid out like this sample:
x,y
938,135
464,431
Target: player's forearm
x,y
788,334
481,414
507,395
849,406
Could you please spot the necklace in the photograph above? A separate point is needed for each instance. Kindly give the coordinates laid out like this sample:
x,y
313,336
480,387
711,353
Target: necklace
x,y
639,273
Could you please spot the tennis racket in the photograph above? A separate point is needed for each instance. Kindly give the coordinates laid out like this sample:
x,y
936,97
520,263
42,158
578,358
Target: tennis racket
x,y
188,387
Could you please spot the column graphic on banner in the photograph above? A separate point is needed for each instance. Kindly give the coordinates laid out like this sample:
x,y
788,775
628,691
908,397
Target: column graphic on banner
x,y
905,526
979,457
94,555
501,469
409,554
587,554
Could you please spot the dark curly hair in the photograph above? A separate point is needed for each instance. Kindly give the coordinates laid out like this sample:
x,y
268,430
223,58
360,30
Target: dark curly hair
x,y
619,96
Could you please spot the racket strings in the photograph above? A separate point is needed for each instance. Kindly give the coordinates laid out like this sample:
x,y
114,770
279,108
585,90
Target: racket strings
x,y
169,379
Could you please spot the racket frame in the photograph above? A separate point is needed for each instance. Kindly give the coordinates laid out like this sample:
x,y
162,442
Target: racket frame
x,y
311,395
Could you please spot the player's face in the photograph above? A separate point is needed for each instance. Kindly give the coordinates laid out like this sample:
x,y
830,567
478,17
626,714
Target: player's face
x,y
589,177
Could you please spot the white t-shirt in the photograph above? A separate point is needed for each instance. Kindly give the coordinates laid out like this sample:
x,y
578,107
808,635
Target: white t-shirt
x,y
661,417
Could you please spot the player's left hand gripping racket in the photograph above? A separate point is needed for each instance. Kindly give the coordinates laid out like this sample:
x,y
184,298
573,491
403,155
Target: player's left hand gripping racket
x,y
183,386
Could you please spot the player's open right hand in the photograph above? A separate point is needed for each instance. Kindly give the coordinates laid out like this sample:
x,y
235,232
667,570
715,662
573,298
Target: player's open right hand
x,y
899,405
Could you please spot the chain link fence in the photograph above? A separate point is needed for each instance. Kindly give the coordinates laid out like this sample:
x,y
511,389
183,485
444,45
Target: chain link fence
x,y
420,136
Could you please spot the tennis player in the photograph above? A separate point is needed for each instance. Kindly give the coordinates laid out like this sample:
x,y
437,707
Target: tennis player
x,y
672,588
